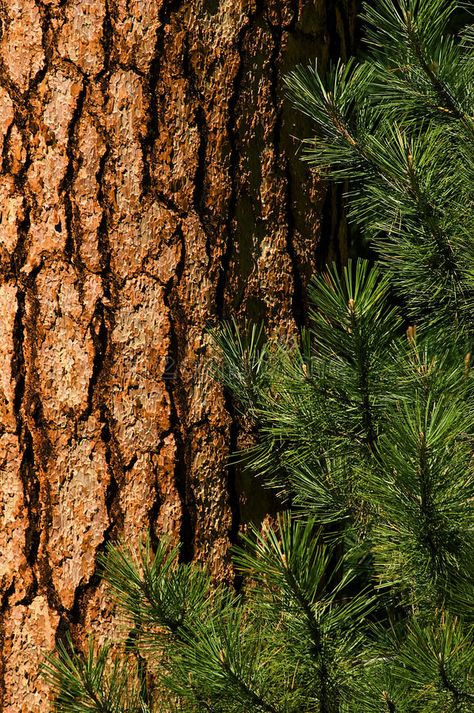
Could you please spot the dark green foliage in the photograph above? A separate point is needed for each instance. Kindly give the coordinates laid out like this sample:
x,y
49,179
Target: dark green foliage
x,y
400,127
361,599
292,640
428,668
374,436
93,682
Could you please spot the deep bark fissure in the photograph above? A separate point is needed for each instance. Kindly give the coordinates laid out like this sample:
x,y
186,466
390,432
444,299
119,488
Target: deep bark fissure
x,y
233,167
154,512
65,188
106,41
100,339
178,409
199,182
6,161
167,11
4,603
31,487
103,242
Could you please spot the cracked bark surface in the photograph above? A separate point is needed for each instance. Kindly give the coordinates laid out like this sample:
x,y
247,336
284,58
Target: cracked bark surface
x,y
148,187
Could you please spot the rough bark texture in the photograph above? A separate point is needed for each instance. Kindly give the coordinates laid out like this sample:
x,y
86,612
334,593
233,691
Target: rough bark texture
x,y
148,187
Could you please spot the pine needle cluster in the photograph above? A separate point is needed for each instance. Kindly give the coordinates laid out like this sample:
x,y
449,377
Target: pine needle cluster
x,y
358,599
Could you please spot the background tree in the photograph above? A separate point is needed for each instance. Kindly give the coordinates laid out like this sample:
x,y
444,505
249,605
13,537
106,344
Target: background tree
x,y
148,182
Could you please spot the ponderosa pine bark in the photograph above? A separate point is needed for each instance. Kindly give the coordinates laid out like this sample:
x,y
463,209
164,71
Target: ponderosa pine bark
x,y
148,187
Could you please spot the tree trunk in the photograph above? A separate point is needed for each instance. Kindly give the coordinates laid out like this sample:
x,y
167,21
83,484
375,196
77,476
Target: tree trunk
x,y
149,186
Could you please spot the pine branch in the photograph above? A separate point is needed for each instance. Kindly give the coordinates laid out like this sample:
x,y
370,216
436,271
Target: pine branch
x,y
93,683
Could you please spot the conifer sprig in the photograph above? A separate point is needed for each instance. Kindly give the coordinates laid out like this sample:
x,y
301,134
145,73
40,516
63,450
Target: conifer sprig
x,y
400,127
